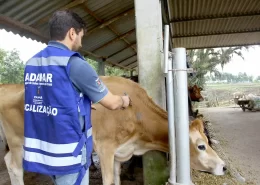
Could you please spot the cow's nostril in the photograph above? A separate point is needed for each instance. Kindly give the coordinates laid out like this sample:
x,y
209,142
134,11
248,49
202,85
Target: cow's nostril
x,y
224,168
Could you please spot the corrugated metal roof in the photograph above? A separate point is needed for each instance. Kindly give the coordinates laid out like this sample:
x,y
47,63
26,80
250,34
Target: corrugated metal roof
x,y
214,23
111,24
237,39
199,27
190,9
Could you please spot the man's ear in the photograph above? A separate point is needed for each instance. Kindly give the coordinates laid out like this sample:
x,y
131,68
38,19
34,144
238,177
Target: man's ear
x,y
72,33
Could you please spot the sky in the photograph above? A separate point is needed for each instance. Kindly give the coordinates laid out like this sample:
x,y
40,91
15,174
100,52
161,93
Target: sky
x,y
27,48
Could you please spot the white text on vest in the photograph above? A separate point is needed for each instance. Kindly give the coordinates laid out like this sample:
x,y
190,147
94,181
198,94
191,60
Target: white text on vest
x,y
41,109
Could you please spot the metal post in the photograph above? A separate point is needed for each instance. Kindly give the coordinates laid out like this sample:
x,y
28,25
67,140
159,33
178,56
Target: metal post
x,y
101,67
170,106
181,116
166,48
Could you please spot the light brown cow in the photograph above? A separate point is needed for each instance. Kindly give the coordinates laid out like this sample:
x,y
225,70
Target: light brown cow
x,y
117,135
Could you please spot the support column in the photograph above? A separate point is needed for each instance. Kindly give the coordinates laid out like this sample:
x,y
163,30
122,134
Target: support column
x,y
181,116
101,67
149,44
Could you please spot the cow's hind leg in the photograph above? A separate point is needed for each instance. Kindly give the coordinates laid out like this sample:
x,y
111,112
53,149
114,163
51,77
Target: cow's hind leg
x,y
13,161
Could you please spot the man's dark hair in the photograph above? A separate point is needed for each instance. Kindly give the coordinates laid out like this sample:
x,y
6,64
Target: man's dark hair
x,y
62,21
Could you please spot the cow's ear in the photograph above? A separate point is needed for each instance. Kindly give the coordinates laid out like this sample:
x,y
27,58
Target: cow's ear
x,y
201,89
198,125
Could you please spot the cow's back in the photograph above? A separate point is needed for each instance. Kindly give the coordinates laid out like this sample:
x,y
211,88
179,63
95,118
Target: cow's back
x,y
118,126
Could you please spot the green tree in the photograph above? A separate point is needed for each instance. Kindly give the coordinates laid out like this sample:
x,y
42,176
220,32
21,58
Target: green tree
x,y
93,64
206,61
226,54
203,61
11,67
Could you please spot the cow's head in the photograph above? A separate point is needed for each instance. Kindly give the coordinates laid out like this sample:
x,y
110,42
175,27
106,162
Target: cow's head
x,y
202,156
194,92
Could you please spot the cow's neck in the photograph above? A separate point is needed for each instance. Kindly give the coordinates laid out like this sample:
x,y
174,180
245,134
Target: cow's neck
x,y
155,127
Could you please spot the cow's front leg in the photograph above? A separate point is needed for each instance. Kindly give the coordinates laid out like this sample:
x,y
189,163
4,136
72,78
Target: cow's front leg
x,y
106,158
117,172
13,161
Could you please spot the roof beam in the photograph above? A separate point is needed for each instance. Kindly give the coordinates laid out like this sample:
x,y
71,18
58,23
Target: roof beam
x,y
113,54
216,33
126,59
133,68
92,14
22,28
222,46
131,63
106,61
68,6
116,39
217,17
109,26
110,21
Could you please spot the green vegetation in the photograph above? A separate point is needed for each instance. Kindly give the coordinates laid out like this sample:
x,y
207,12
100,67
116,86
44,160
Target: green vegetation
x,y
11,67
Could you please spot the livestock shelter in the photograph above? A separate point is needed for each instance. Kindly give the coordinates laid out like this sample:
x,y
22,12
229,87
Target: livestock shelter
x,y
129,34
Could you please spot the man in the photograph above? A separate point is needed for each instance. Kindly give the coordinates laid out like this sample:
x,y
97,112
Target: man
x,y
59,88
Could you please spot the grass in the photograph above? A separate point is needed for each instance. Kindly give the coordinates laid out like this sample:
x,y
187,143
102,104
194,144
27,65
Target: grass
x,y
222,94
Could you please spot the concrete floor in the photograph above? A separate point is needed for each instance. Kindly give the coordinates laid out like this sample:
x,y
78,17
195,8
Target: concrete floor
x,y
240,133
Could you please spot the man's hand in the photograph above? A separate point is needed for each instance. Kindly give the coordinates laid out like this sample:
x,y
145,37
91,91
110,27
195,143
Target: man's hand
x,y
126,101
114,102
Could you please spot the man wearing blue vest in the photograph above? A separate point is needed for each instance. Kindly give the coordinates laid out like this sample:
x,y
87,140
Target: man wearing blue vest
x,y
59,88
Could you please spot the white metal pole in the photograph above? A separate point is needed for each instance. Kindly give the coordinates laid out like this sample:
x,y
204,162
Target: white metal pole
x,y
166,47
170,106
181,116
170,109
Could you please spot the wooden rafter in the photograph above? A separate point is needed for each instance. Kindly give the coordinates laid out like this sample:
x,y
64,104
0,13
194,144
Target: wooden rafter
x,y
68,6
116,39
88,53
110,21
126,59
109,26
131,64
113,54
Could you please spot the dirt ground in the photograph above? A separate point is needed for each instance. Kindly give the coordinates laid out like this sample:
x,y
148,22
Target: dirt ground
x,y
239,137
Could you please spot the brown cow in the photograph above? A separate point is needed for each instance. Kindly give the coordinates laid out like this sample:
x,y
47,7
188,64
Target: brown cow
x,y
117,135
194,92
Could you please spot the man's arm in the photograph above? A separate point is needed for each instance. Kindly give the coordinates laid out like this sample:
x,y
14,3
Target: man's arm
x,y
113,102
86,80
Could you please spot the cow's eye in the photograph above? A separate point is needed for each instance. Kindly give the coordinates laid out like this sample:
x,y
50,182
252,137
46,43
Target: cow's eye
x,y
201,147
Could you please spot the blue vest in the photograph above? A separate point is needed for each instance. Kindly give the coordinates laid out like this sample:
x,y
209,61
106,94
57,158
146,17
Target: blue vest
x,y
53,137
